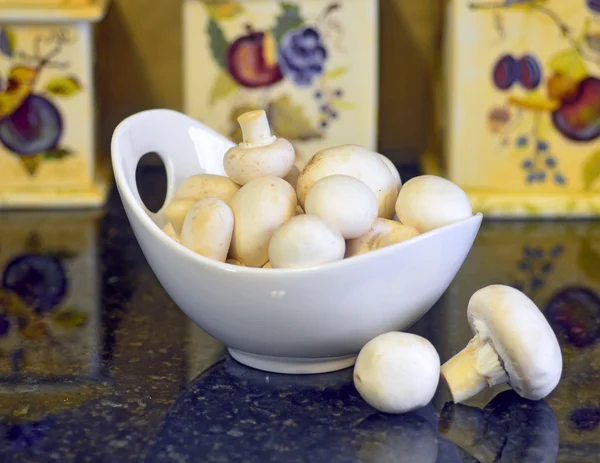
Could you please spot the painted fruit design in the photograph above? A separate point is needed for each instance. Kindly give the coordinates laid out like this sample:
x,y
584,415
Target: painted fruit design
x,y
575,313
251,61
34,127
578,117
31,125
39,280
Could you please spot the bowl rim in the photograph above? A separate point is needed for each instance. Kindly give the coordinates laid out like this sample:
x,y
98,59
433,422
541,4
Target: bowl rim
x,y
147,222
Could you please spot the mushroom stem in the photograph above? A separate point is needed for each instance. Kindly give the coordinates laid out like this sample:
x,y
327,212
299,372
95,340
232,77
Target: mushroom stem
x,y
473,369
255,129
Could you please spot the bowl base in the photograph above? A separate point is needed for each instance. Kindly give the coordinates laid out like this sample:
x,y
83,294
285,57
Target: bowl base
x,y
292,365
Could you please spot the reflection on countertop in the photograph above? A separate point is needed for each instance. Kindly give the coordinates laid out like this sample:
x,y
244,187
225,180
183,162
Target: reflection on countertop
x,y
98,364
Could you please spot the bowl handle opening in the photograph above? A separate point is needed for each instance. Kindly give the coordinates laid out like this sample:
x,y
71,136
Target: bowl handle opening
x,y
186,147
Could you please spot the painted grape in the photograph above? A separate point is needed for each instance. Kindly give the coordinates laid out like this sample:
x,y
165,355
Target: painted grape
x,y
35,127
302,55
594,5
39,280
505,72
530,72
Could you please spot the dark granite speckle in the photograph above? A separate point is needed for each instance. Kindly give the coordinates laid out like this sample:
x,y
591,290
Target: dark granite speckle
x,y
112,371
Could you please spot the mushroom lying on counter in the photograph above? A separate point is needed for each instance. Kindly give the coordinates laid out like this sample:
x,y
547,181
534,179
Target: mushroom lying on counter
x,y
260,154
397,372
513,344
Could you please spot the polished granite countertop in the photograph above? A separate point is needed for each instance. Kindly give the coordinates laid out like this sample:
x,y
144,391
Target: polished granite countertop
x,y
108,369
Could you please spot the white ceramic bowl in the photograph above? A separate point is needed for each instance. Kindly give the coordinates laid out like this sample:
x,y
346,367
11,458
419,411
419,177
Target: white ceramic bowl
x,y
281,320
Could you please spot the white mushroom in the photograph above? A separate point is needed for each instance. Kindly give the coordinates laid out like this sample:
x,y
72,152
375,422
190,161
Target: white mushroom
x,y
382,233
207,229
513,344
259,208
393,170
428,202
397,372
234,262
357,162
292,177
170,231
176,212
305,241
207,186
345,202
260,154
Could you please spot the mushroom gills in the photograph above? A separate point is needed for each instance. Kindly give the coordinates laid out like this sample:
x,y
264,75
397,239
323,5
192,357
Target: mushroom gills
x,y
473,369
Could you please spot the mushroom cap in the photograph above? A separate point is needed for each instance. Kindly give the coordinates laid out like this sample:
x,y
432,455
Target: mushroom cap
x,y
202,186
305,241
345,202
383,232
397,372
245,163
393,170
207,228
428,202
521,336
259,208
357,162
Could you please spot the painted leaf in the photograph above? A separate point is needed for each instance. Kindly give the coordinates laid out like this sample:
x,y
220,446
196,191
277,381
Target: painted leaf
x,y
218,43
69,318
336,72
591,170
63,86
222,87
7,42
224,10
569,63
59,153
31,163
288,121
288,19
588,261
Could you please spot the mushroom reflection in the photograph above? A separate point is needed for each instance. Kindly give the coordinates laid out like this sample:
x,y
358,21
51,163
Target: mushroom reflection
x,y
508,428
407,437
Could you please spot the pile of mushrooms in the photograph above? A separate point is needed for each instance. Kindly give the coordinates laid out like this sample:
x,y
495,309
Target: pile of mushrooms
x,y
345,202
513,343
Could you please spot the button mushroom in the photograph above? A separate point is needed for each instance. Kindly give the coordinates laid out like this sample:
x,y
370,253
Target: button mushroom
x,y
260,154
382,233
345,202
207,229
305,241
397,372
259,208
176,212
357,162
170,231
428,202
207,186
513,344
393,170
